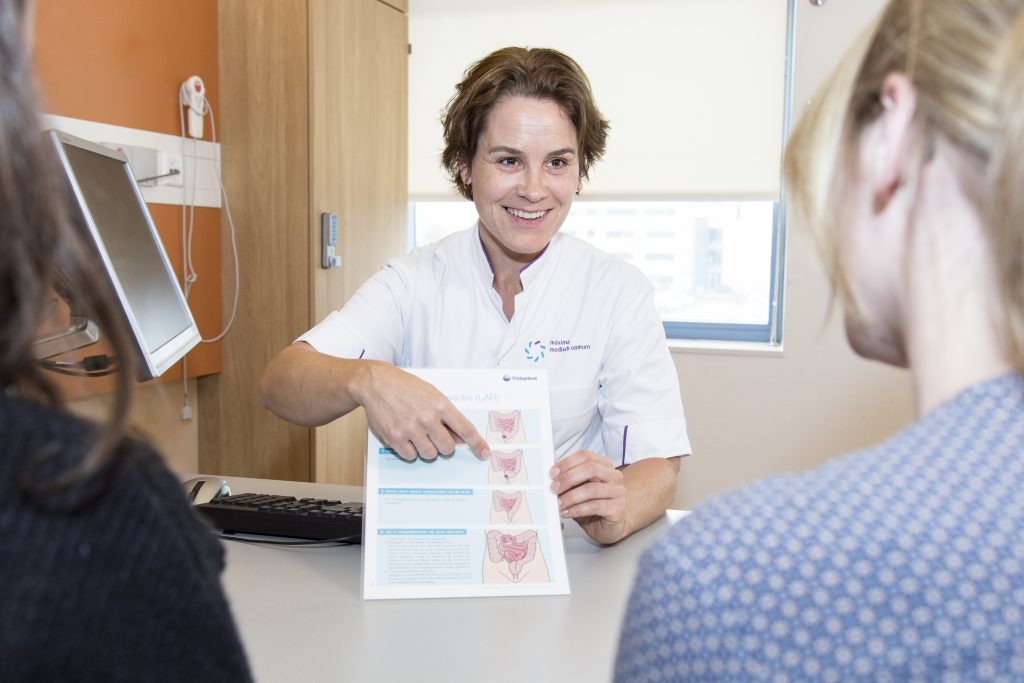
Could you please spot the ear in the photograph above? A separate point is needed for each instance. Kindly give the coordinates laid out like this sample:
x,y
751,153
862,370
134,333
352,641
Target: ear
x,y
891,151
464,173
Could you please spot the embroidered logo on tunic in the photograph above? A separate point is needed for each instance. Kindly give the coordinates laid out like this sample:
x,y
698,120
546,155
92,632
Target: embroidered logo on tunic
x,y
564,345
534,350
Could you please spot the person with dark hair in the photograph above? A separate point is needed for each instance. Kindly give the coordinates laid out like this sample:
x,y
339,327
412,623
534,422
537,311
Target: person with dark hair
x,y
521,134
107,573
903,561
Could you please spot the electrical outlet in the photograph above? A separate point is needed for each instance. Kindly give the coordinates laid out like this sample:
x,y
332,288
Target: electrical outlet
x,y
173,164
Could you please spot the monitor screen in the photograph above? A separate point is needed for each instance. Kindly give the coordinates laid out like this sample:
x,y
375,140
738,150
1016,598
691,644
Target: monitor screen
x,y
121,229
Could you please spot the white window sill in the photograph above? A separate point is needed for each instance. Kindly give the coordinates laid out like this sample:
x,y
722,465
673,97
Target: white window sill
x,y
725,348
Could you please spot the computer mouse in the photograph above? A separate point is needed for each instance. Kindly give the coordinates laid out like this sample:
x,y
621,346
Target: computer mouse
x,y
204,489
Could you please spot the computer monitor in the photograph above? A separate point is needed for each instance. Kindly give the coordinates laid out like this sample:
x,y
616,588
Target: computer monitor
x,y
117,223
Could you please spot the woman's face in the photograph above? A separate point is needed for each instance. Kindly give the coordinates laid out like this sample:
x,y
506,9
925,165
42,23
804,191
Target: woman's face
x,y
524,176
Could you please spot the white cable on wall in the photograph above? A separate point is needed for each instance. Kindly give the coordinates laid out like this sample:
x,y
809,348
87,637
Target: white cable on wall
x,y
189,273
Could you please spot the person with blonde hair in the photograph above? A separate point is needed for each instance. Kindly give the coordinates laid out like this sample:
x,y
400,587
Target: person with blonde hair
x,y
903,561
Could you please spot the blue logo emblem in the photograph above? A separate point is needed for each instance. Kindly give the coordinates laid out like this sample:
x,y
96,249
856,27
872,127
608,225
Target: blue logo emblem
x,y
507,377
534,350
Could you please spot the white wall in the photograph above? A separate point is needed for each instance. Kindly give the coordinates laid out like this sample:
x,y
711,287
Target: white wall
x,y
749,416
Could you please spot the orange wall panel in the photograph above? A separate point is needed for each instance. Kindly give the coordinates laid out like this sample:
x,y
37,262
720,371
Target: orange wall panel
x,y
204,297
121,61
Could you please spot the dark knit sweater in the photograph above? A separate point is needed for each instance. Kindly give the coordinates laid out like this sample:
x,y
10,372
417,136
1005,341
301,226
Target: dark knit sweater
x,y
124,586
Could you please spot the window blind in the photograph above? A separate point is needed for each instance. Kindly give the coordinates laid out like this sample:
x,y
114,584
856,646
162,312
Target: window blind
x,y
694,89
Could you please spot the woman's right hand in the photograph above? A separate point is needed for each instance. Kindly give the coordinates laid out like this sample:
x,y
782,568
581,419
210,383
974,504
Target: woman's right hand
x,y
411,416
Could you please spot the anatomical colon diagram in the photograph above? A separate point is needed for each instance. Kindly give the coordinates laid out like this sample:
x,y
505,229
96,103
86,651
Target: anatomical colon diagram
x,y
514,558
506,468
509,507
511,555
505,427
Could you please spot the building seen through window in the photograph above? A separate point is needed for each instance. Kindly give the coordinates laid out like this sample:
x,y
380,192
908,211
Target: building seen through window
x,y
709,262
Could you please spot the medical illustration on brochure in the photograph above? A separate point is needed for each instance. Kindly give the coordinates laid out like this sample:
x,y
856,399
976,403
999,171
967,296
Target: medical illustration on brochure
x,y
462,527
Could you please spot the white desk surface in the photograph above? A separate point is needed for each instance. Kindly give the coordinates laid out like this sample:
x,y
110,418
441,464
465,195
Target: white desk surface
x,y
301,616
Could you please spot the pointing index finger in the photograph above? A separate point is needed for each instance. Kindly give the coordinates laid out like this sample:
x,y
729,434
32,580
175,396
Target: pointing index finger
x,y
464,430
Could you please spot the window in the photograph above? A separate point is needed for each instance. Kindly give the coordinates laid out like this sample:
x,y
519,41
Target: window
x,y
711,263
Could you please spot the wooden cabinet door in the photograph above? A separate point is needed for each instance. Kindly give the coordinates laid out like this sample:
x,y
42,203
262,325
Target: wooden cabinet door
x,y
358,84
265,167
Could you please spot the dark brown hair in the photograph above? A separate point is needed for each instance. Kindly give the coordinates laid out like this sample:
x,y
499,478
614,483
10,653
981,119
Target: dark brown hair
x,y
539,73
37,235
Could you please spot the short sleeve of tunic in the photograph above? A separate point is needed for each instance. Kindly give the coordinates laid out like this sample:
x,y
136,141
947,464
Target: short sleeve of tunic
x,y
638,396
370,324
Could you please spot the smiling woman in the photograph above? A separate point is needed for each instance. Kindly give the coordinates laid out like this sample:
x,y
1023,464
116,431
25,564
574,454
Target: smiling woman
x,y
521,134
522,182
519,143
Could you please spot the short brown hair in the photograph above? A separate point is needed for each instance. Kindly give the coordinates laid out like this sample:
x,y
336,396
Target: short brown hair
x,y
540,73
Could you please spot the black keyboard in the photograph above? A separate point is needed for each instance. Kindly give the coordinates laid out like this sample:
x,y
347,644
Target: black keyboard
x,y
266,514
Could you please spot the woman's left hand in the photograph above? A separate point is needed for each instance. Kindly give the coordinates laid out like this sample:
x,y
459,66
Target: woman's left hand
x,y
591,491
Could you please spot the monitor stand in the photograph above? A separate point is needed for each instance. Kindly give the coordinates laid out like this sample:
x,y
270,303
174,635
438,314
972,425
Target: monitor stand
x,y
81,332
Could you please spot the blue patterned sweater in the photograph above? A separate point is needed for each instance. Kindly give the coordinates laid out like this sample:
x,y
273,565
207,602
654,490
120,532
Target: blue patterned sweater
x,y
902,562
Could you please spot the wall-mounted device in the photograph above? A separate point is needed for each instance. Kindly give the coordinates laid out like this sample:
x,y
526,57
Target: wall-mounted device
x,y
115,223
329,240
150,165
193,95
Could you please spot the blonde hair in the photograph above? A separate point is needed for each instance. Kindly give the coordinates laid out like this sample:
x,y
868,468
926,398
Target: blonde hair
x,y
965,62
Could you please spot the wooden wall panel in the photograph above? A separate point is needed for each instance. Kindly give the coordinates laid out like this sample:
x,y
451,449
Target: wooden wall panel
x,y
359,100
265,159
314,111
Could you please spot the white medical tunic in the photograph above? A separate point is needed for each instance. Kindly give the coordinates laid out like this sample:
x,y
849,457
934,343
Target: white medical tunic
x,y
585,317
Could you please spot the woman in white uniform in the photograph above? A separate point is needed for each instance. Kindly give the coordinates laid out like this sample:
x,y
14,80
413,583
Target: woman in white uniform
x,y
521,133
